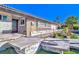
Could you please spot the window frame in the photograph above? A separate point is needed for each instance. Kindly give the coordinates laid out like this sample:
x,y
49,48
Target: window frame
x,y
22,20
2,17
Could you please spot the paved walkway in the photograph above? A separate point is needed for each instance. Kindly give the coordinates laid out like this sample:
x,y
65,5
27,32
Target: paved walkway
x,y
7,37
74,43
55,45
19,42
25,42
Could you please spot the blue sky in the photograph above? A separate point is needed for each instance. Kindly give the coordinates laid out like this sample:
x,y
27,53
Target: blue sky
x,y
49,11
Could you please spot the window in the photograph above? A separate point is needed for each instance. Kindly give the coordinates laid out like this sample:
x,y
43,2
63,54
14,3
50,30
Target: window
x,y
0,17
22,22
5,18
45,24
37,23
33,23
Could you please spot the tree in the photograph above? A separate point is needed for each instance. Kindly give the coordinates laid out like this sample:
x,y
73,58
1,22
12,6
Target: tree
x,y
57,20
72,20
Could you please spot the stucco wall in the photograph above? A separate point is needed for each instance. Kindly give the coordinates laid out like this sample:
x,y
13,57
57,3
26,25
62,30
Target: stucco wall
x,y
54,27
5,27
42,28
28,27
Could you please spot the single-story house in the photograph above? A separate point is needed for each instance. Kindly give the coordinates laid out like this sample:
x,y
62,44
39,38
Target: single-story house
x,y
16,21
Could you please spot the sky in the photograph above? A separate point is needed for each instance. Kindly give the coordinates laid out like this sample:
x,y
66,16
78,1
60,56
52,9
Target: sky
x,y
49,11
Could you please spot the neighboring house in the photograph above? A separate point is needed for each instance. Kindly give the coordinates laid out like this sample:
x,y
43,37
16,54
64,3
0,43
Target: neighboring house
x,y
55,26
15,21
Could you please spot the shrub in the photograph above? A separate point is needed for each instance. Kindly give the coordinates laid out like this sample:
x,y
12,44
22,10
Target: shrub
x,y
76,27
74,36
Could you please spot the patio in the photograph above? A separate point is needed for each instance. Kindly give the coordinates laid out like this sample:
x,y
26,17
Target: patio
x,y
19,42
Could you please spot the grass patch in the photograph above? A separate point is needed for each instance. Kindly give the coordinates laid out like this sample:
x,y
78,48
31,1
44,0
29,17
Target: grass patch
x,y
72,51
41,51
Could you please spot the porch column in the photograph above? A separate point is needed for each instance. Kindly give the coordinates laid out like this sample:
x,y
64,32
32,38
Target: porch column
x,y
28,28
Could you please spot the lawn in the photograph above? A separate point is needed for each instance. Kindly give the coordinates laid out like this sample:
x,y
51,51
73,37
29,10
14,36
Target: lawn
x,y
72,51
41,51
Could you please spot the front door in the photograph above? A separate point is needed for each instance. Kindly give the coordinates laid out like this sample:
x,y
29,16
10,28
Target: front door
x,y
14,25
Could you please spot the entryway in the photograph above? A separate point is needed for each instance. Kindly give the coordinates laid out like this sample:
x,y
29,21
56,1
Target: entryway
x,y
14,25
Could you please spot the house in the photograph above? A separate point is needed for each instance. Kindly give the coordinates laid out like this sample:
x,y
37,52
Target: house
x,y
16,21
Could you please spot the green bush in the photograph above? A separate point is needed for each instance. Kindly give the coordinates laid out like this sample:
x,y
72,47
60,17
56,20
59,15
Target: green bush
x,y
74,36
59,35
76,27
